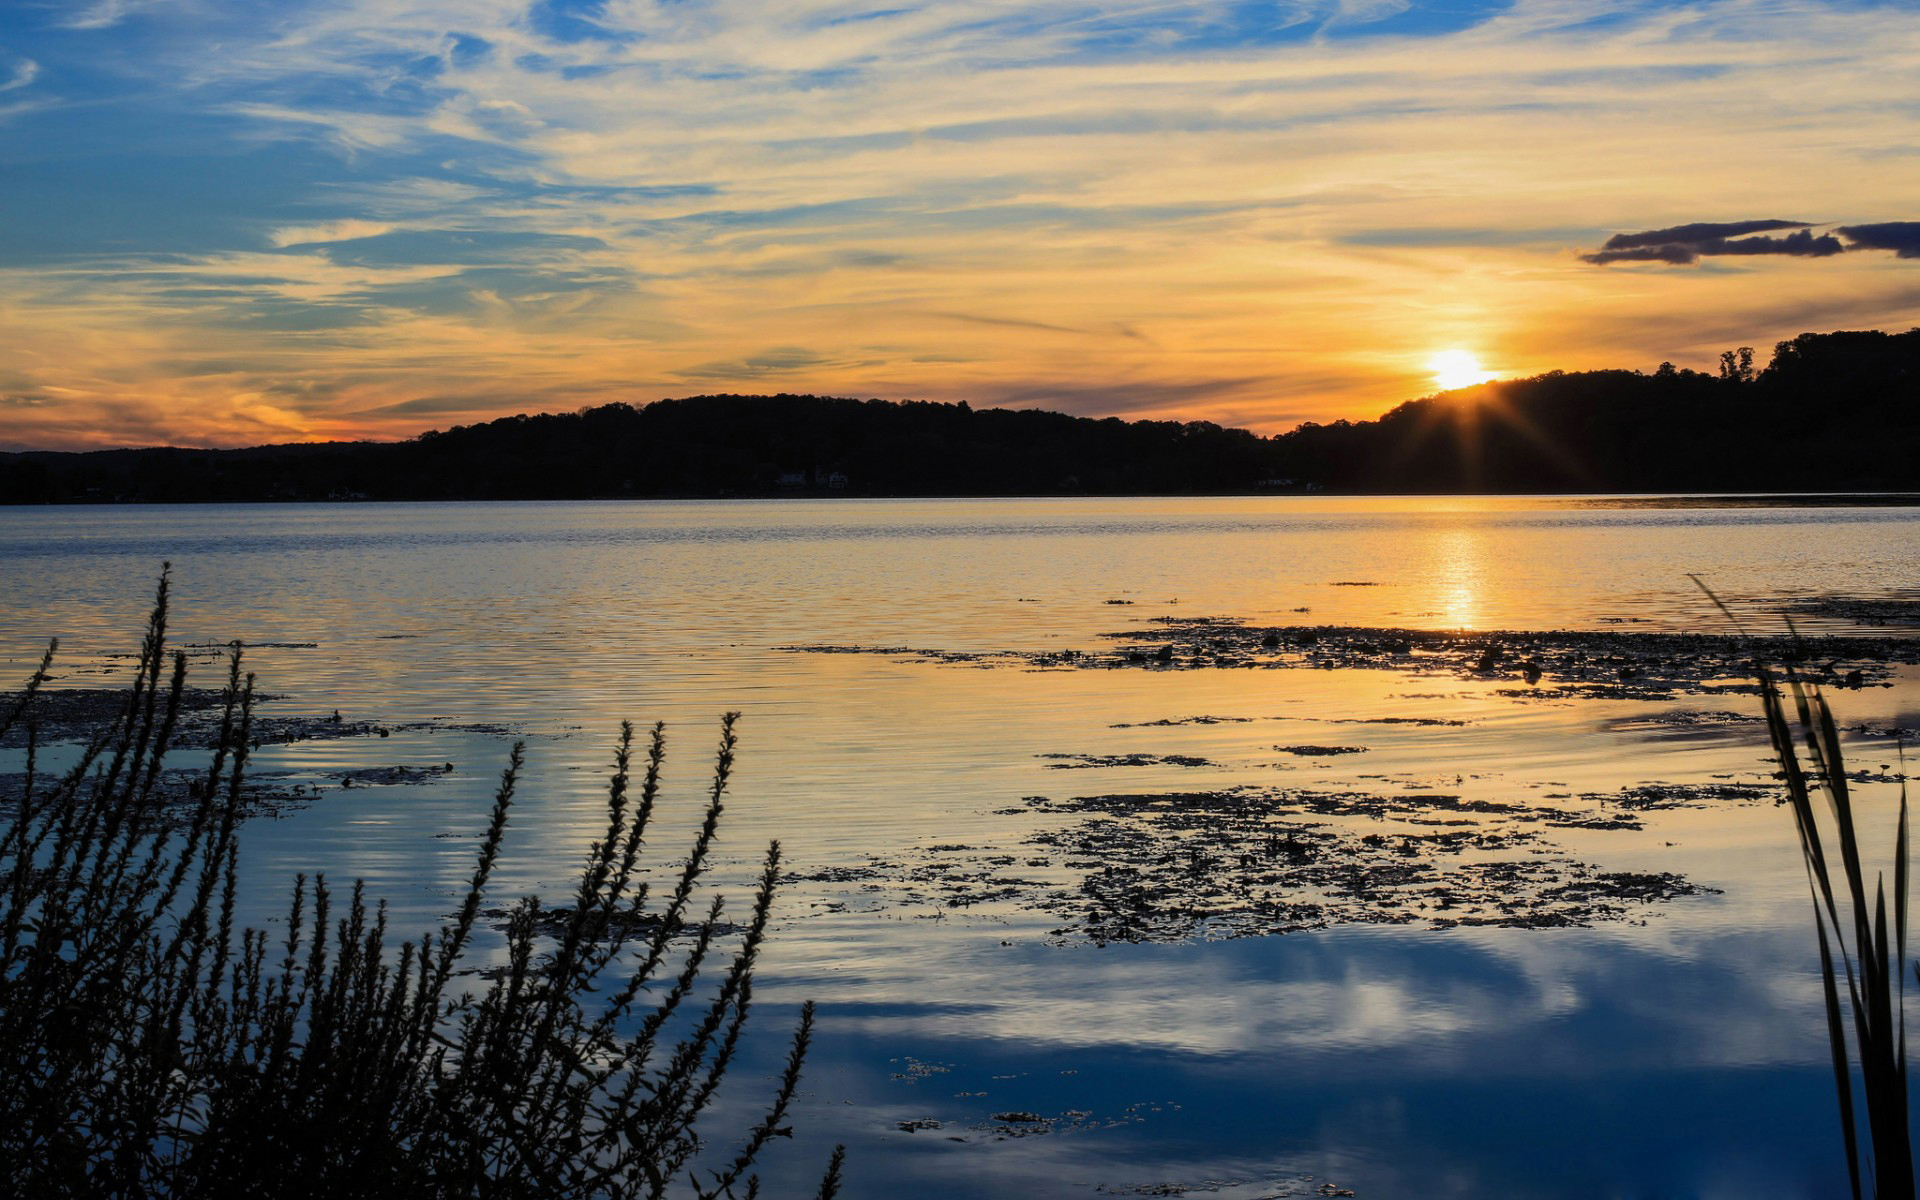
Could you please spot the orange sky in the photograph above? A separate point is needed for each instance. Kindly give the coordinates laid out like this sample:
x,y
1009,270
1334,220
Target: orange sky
x,y
368,218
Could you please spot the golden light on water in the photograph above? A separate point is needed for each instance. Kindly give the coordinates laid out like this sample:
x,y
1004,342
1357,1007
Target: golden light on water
x,y
1457,369
1460,577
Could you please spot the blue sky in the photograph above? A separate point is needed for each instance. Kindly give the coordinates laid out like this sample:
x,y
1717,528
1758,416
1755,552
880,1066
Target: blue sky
x,y
232,223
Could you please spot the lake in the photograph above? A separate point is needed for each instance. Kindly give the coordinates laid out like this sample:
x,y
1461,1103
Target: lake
x,y
1342,912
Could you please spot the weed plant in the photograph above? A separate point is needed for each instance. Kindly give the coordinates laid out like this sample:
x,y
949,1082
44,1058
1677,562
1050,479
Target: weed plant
x,y
148,1047
1863,941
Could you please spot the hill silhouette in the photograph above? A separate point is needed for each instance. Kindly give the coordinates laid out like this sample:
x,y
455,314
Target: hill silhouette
x,y
1830,412
700,446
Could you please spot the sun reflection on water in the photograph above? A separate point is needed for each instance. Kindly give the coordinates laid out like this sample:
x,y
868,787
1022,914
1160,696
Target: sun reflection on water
x,y
1460,577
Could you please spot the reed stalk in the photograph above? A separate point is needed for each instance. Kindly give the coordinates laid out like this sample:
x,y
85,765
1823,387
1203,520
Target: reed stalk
x,y
1862,938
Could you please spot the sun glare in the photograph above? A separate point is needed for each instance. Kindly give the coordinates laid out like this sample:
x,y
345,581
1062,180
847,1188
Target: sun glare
x,y
1457,369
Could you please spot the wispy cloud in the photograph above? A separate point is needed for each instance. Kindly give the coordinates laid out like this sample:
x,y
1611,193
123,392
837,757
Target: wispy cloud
x,y
17,72
103,14
331,231
1273,210
782,360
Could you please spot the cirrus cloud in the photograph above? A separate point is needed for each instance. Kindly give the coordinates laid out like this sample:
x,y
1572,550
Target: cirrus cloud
x,y
1266,210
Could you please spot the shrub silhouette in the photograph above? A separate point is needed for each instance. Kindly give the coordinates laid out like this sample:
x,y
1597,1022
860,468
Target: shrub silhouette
x,y
150,1048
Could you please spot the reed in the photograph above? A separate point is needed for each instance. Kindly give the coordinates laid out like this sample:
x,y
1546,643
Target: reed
x,y
148,1047
1863,939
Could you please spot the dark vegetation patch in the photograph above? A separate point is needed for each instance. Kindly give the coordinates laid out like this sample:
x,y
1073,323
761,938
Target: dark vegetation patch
x,y
971,658
1254,861
1257,861
1433,721
1171,721
390,776
1558,664
74,714
599,925
1865,776
1904,611
1897,732
1320,751
177,792
1270,1188
913,1070
1649,796
1682,719
1081,761
1001,1126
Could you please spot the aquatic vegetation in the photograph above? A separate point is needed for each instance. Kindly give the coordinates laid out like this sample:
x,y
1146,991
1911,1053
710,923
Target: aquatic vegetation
x,y
1176,866
148,1047
1864,947
1537,664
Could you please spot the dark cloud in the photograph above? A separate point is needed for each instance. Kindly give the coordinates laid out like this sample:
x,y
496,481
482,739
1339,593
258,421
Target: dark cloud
x,y
1901,237
1803,244
1673,252
1683,244
1699,231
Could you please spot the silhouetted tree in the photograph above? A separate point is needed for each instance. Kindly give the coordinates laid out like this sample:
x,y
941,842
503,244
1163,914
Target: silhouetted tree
x,y
1736,366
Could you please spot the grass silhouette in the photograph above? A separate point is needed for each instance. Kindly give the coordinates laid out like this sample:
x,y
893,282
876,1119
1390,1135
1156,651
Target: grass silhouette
x,y
148,1047
1863,940
1866,948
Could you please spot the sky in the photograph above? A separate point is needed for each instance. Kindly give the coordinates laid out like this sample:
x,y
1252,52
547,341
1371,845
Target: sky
x,y
227,223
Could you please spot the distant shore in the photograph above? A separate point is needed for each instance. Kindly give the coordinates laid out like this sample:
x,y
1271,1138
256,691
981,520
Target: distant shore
x,y
1597,500
1833,416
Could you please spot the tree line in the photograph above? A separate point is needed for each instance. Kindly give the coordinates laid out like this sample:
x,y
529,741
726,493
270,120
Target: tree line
x,y
1834,411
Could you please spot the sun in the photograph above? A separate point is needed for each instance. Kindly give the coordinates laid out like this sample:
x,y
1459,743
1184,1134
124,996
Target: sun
x,y
1457,369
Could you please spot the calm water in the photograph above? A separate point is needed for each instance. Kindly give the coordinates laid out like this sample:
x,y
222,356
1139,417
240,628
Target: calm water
x,y
1677,1053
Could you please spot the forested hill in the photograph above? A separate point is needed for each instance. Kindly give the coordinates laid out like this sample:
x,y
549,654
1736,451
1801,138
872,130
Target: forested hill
x,y
701,446
1830,412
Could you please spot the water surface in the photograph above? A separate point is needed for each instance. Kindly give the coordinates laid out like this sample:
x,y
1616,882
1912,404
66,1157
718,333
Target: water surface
x,y
1677,1052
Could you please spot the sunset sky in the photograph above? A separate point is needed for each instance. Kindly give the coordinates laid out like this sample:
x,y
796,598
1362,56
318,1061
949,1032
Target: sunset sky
x,y
231,223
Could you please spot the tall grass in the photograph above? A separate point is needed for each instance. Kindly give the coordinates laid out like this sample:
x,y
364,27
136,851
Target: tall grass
x,y
1863,940
148,1047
